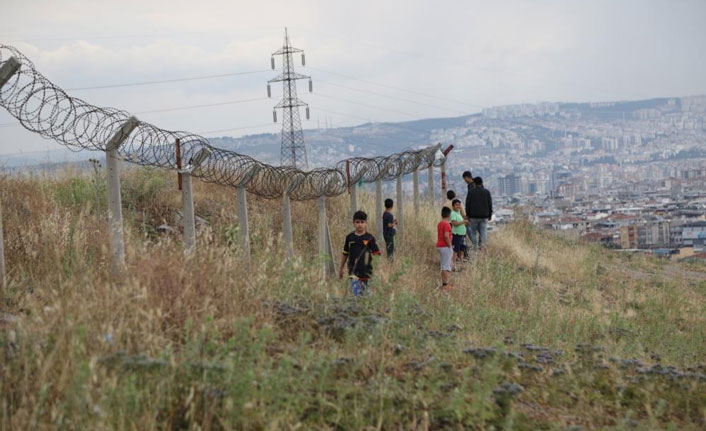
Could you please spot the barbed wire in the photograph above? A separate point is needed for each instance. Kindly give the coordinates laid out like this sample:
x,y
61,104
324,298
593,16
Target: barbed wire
x,y
371,169
44,108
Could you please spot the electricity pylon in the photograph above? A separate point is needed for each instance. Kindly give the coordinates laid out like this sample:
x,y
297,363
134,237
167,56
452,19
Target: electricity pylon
x,y
293,150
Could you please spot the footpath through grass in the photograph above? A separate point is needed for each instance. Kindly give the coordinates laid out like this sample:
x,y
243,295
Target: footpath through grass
x,y
538,333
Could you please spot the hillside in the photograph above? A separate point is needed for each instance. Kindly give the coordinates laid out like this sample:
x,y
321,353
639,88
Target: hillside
x,y
538,333
527,132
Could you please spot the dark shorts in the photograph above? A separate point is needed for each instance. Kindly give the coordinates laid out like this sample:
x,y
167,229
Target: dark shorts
x,y
458,242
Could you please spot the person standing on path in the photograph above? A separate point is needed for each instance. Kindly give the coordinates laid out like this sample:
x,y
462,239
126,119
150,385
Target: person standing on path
x,y
444,245
451,196
468,179
358,251
458,231
479,208
388,228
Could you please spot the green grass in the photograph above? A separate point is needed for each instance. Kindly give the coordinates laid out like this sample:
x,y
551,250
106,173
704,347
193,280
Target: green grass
x,y
535,334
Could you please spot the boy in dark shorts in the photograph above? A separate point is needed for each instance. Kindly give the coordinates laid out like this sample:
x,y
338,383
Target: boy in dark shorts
x,y
388,228
358,251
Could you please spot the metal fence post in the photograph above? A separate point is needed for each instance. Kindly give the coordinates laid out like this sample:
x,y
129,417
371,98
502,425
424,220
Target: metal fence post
x,y
443,181
115,211
354,198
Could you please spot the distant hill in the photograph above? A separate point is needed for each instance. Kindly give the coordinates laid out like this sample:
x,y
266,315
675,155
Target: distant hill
x,y
326,146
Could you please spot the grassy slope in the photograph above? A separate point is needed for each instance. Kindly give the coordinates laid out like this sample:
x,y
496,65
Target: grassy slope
x,y
218,343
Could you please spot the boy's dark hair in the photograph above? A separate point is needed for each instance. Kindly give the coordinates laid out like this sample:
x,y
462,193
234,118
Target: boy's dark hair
x,y
467,174
478,181
388,203
445,212
360,215
450,194
453,202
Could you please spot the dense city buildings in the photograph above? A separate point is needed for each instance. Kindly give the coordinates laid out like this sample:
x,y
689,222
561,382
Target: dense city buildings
x,y
629,175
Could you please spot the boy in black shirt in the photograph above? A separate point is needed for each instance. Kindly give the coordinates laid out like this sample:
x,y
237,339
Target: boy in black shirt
x,y
388,228
358,250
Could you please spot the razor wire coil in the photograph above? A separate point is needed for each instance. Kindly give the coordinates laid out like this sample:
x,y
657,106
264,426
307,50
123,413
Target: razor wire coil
x,y
44,108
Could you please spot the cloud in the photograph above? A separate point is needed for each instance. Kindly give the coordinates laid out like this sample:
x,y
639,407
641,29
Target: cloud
x,y
433,53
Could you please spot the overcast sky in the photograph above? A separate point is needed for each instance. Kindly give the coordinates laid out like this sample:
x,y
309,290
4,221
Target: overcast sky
x,y
392,60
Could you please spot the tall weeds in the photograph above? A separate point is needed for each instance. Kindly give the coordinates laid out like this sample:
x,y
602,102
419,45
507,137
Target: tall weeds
x,y
216,342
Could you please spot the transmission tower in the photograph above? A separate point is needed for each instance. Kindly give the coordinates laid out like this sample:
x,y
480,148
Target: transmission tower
x,y
293,150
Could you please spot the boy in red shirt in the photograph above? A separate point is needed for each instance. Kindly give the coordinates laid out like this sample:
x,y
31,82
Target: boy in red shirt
x,y
444,245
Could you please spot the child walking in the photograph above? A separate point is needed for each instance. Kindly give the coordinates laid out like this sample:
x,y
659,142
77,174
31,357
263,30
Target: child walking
x,y
458,230
358,250
388,228
444,245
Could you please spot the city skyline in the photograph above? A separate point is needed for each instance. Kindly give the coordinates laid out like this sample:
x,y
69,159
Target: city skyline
x,y
402,63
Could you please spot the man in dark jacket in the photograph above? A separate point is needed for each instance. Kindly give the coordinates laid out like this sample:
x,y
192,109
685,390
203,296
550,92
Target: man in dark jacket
x,y
468,179
479,210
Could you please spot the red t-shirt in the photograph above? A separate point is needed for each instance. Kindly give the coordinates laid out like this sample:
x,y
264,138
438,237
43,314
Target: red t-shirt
x,y
443,229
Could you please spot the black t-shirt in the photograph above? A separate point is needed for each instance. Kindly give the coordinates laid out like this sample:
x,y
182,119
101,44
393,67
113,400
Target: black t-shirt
x,y
387,220
359,249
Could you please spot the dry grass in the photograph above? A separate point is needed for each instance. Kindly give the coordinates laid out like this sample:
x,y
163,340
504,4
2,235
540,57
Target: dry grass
x,y
216,342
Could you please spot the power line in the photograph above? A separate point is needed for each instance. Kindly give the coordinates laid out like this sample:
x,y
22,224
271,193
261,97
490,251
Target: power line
x,y
466,65
366,105
396,88
344,115
393,97
165,81
235,128
99,37
176,108
183,108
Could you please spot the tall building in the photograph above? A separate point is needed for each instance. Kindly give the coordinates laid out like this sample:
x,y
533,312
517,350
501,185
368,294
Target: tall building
x,y
509,185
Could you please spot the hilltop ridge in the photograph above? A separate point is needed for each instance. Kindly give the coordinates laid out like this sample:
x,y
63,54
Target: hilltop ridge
x,y
539,332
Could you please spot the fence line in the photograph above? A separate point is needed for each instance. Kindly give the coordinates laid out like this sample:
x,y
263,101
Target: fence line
x,y
44,108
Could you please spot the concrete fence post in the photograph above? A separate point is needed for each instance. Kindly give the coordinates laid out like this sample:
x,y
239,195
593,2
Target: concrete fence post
x,y
287,226
431,185
3,280
325,252
115,211
187,210
400,209
378,208
243,227
415,189
287,217
187,200
9,68
242,200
